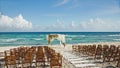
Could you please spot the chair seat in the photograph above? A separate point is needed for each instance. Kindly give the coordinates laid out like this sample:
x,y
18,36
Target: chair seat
x,y
11,62
27,61
40,60
53,63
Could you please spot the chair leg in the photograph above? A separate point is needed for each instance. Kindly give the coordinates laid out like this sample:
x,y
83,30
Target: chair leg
x,y
50,66
22,65
30,64
118,63
15,66
44,64
36,64
4,65
7,66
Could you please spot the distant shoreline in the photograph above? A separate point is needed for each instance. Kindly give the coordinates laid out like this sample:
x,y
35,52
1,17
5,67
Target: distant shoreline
x,y
3,48
66,43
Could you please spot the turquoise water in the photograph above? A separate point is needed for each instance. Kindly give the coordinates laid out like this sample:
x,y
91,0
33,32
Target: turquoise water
x,y
39,38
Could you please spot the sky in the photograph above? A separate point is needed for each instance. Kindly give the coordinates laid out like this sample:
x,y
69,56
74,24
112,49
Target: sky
x,y
59,15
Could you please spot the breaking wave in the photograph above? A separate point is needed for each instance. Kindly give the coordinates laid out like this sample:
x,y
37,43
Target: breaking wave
x,y
8,40
114,35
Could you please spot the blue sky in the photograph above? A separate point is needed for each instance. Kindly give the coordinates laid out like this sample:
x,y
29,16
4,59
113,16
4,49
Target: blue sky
x,y
60,15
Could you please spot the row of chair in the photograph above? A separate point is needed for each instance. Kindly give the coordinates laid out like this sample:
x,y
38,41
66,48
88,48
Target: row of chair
x,y
32,56
106,53
19,56
53,57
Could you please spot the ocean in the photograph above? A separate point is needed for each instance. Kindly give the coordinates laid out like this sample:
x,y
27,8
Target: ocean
x,y
39,38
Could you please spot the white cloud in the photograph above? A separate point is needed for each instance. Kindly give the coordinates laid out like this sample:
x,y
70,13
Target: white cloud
x,y
58,26
61,3
74,3
17,23
73,24
100,25
90,25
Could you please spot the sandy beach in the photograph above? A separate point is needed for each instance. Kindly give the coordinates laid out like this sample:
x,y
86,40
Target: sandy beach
x,y
2,49
72,64
68,46
68,50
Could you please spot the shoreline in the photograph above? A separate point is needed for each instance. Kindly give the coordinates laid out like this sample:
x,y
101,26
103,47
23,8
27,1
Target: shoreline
x,y
3,48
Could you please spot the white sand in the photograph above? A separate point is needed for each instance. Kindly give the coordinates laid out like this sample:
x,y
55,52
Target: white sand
x,y
68,46
66,53
2,49
61,49
102,43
